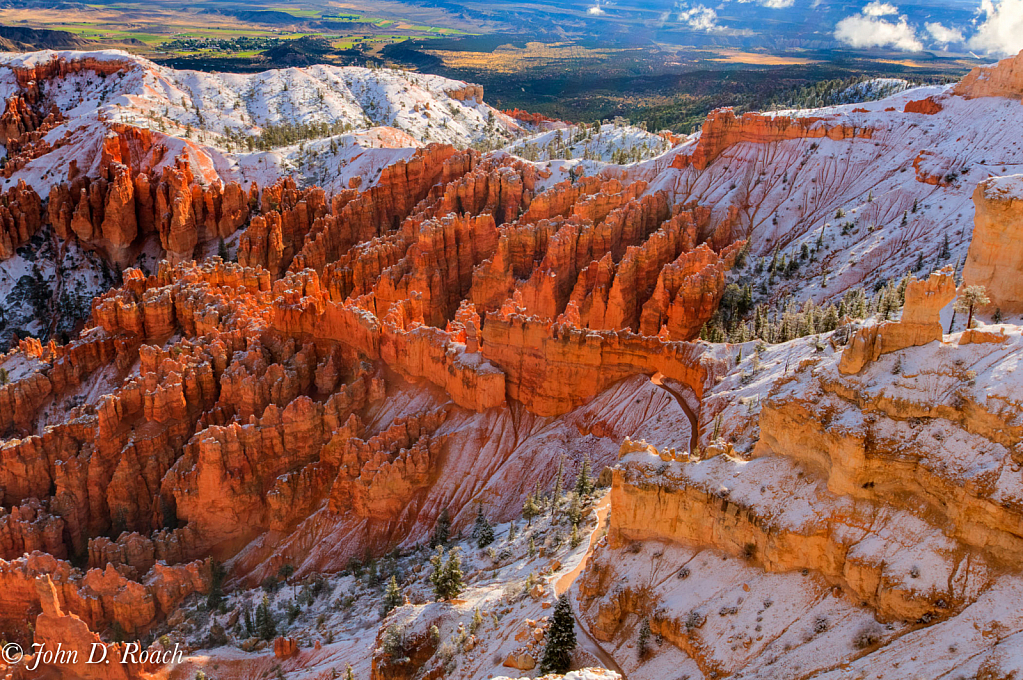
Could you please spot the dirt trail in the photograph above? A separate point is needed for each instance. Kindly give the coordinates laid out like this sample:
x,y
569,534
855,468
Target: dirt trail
x,y
565,582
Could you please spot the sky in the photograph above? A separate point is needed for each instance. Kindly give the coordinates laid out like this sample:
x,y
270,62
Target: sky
x,y
992,28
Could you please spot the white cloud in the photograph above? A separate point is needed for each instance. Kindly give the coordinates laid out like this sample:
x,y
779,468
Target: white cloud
x,y
869,29
879,9
699,18
1001,30
595,11
944,35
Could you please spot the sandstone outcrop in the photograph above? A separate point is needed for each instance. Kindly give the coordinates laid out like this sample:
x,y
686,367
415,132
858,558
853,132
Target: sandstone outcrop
x,y
723,129
920,323
21,216
1004,79
995,258
117,210
99,597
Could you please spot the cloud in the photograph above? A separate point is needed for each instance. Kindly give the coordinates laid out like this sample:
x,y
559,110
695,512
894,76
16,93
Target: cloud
x,y
869,29
699,18
595,11
879,9
942,35
1001,29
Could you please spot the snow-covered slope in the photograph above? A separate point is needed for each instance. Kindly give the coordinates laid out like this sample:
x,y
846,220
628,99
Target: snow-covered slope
x,y
254,126
867,207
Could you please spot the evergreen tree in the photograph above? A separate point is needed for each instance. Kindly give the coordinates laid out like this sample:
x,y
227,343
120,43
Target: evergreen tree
x,y
511,532
557,655
392,597
222,250
919,262
556,495
447,574
249,629
349,673
216,594
530,509
266,627
442,530
482,531
946,250
284,573
644,640
914,206
584,482
971,298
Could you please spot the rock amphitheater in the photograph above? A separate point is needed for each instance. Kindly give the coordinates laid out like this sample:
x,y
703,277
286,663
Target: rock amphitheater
x,y
465,330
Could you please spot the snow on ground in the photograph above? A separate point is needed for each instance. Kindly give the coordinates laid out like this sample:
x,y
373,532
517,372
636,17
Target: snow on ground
x,y
611,143
858,205
315,122
46,290
342,613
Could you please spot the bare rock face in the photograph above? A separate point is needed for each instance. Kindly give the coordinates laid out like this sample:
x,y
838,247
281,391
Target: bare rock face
x,y
21,216
920,323
723,129
116,211
1004,79
927,106
995,258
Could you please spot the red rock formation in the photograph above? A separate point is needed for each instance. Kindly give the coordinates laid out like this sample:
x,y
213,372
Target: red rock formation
x,y
553,368
723,129
115,211
688,293
99,597
380,209
285,647
21,216
1004,79
17,119
927,106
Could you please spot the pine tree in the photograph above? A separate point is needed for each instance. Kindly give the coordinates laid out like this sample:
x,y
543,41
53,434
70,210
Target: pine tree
x,y
556,497
482,531
216,594
392,596
919,262
644,639
447,574
914,206
442,530
557,655
349,673
584,483
511,532
265,624
971,298
249,629
222,250
530,509
946,250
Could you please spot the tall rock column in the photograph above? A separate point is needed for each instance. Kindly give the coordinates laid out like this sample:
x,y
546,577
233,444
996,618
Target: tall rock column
x,y
995,259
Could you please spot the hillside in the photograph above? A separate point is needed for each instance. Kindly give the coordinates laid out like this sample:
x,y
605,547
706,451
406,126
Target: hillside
x,y
721,392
